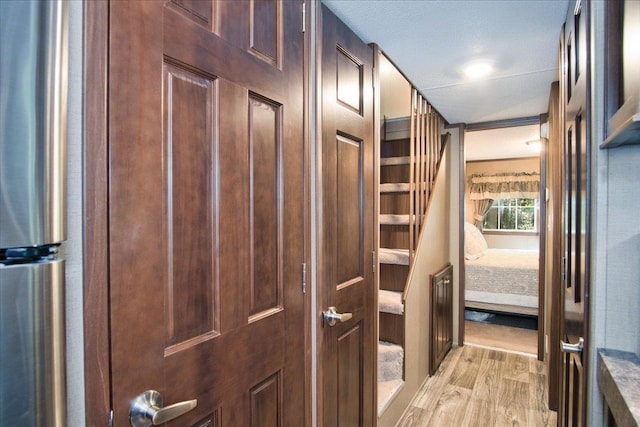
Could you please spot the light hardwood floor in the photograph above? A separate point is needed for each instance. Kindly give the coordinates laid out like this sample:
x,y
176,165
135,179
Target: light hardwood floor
x,y
501,337
481,387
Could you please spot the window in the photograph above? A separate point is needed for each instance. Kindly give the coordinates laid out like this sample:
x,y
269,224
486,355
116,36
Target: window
x,y
512,215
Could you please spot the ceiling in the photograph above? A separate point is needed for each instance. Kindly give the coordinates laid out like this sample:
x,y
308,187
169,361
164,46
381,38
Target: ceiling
x,y
431,40
501,143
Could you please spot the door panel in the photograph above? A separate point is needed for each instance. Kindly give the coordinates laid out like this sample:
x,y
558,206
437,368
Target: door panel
x,y
441,332
346,278
207,209
349,210
188,123
577,172
350,376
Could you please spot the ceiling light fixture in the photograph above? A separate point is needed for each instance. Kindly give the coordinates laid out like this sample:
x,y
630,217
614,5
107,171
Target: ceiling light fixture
x,y
477,69
534,145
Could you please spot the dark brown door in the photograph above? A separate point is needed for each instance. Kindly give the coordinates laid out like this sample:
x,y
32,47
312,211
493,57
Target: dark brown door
x,y
577,173
206,209
346,278
441,331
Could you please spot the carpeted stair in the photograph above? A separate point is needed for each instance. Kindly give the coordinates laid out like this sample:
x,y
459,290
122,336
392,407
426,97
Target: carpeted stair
x,y
390,302
390,370
394,256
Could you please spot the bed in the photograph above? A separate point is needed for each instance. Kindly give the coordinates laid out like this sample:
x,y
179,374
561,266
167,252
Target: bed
x,y
501,279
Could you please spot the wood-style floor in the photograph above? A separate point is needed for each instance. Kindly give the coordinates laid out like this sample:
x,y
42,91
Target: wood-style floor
x,y
501,337
481,387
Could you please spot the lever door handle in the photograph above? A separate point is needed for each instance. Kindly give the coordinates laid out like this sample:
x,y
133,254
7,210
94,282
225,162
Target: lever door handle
x,y
572,348
331,316
147,409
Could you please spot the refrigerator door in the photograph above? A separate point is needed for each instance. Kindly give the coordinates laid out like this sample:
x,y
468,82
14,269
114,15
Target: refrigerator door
x,y
32,382
33,92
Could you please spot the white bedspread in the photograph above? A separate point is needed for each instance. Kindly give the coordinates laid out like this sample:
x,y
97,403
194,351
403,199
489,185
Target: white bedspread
x,y
503,276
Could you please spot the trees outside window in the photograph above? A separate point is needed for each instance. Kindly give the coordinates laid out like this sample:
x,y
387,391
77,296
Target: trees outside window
x,y
512,215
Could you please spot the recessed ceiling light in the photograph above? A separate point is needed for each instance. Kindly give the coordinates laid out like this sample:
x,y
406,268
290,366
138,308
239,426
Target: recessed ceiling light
x,y
477,69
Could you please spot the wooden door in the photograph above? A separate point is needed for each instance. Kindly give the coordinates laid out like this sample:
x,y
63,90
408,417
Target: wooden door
x,y
441,331
206,209
577,173
346,279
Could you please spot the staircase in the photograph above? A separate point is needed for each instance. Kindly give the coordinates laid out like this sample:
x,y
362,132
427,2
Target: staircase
x,y
390,367
410,151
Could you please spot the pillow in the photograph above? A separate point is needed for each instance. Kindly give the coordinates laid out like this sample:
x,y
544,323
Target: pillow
x,y
474,243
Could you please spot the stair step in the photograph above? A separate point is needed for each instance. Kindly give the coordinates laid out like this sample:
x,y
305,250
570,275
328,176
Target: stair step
x,y
386,391
388,351
394,256
395,187
390,302
395,219
390,361
390,367
397,128
394,161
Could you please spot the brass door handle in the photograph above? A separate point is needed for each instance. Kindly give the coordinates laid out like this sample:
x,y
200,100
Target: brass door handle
x,y
147,410
331,316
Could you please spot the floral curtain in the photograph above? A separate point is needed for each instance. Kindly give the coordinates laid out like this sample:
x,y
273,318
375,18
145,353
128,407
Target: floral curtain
x,y
484,189
520,185
482,207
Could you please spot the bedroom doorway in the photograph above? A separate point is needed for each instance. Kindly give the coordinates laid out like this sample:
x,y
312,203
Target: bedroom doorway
x,y
504,228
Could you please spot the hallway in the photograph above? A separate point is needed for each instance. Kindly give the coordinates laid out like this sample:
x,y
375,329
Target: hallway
x,y
480,387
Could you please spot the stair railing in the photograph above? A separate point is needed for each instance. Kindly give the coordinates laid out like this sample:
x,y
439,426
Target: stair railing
x,y
426,147
412,170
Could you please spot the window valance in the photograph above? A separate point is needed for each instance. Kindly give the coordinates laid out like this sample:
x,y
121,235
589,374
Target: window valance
x,y
519,185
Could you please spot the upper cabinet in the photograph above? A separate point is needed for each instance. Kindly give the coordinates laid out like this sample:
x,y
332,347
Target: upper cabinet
x,y
622,84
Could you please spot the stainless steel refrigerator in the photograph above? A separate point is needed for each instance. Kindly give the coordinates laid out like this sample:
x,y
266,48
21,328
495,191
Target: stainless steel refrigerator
x,y
33,69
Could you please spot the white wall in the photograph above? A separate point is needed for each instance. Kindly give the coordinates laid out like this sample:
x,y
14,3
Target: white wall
x,y
501,241
395,91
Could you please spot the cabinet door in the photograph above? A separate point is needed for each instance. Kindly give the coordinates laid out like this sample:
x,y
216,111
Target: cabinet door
x,y
441,332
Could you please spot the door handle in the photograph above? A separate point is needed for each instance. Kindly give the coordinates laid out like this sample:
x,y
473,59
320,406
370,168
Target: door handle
x,y
146,410
572,348
331,316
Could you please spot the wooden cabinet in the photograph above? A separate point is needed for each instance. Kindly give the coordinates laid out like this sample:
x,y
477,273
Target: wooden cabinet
x,y
622,79
441,331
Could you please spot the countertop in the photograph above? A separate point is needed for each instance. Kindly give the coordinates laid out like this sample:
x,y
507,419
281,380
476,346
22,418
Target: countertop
x,y
619,380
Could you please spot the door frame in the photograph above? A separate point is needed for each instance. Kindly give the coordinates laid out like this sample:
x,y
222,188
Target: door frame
x,y
555,161
462,173
95,176
543,286
542,223
97,367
